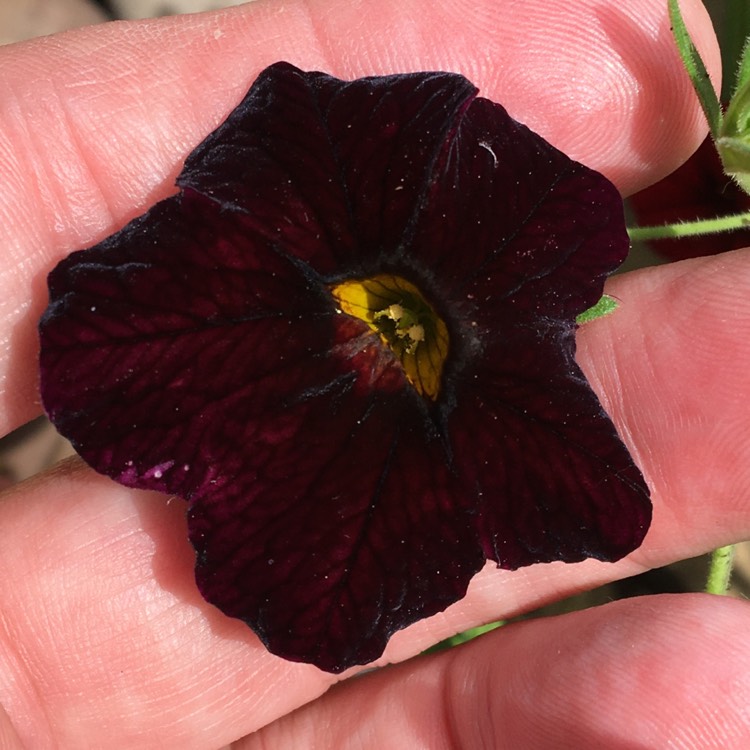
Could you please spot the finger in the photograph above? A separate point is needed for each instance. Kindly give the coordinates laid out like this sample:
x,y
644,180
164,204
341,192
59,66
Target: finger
x,y
672,366
94,124
72,535
103,633
663,671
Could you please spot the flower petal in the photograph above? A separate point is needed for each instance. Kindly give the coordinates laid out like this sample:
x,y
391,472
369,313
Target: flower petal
x,y
341,536
513,221
699,189
334,170
210,349
177,360
154,336
553,479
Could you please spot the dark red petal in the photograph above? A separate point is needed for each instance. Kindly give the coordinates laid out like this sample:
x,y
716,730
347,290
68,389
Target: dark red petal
x,y
334,170
176,360
513,221
155,337
200,352
699,189
342,535
553,480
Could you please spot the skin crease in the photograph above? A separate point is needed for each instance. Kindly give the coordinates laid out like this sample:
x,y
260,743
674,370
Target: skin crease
x,y
102,632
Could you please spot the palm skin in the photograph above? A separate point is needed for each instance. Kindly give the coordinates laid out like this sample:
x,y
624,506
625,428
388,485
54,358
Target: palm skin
x,y
102,631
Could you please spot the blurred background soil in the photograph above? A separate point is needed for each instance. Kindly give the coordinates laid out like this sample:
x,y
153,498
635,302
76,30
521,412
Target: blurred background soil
x,y
37,445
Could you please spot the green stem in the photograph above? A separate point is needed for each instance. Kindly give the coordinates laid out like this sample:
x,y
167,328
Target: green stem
x,y
691,228
720,570
696,69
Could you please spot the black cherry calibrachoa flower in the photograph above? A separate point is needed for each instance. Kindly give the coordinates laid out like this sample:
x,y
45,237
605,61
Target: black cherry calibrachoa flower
x,y
348,343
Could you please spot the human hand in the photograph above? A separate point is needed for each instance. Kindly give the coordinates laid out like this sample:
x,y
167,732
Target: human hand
x,y
103,633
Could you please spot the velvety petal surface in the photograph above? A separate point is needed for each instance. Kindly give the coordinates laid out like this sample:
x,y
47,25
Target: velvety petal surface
x,y
511,222
322,508
202,351
335,170
159,338
351,530
553,481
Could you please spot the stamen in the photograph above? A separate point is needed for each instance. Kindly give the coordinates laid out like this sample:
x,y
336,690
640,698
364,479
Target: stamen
x,y
404,321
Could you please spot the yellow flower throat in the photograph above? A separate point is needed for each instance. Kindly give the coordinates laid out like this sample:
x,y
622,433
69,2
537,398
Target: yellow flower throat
x,y
405,322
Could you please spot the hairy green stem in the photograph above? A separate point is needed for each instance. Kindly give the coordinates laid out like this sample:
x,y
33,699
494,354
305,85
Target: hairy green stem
x,y
720,570
691,228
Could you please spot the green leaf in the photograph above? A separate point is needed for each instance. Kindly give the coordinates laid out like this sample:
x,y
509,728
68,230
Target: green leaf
x,y
733,140
743,70
731,20
464,637
735,158
603,307
737,118
696,69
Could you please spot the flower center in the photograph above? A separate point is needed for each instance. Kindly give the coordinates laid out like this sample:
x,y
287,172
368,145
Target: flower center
x,y
406,323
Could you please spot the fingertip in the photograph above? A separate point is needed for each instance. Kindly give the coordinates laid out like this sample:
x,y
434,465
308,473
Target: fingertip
x,y
602,81
645,672
671,368
608,87
650,672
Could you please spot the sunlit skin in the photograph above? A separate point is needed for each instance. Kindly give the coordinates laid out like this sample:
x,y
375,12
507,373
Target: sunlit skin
x,y
102,632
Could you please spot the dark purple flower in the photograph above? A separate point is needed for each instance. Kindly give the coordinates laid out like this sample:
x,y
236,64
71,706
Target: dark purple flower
x,y
348,343
699,189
